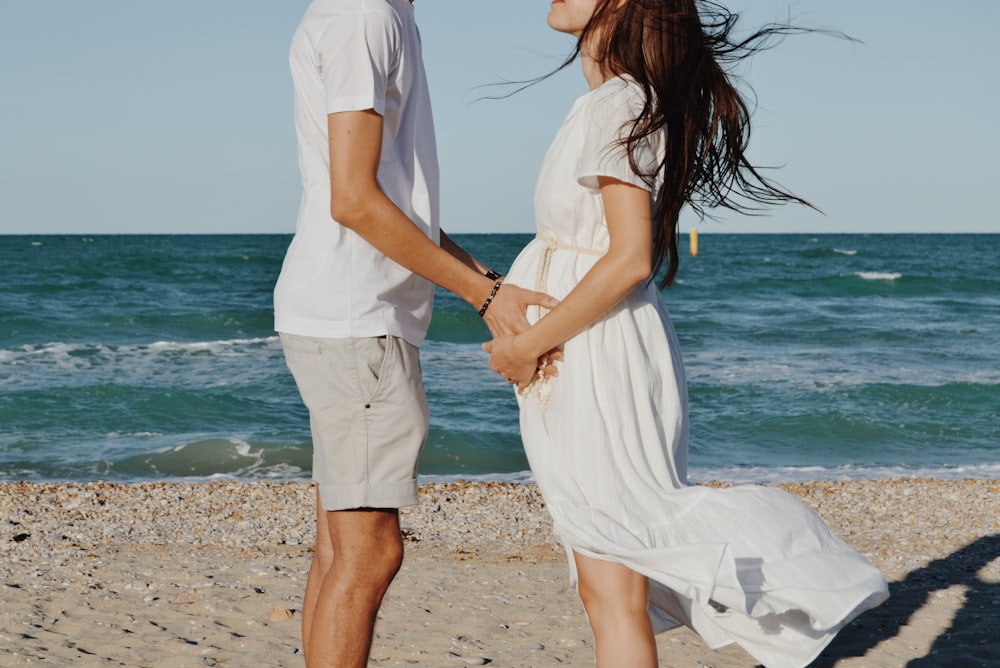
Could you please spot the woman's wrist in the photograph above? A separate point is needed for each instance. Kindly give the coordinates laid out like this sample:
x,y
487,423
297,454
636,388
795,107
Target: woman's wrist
x,y
526,347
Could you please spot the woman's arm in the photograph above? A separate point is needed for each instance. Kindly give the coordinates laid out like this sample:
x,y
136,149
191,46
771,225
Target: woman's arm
x,y
626,264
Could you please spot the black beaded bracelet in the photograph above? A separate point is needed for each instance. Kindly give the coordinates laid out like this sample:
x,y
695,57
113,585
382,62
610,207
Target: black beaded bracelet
x,y
486,304
492,275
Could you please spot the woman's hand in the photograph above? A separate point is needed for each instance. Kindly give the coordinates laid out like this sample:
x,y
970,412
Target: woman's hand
x,y
614,275
519,366
508,360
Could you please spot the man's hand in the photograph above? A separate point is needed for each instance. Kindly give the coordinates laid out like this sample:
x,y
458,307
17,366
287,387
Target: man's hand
x,y
506,314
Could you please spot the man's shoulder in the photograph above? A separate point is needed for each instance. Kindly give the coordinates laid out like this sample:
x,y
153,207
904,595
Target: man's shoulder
x,y
323,10
327,20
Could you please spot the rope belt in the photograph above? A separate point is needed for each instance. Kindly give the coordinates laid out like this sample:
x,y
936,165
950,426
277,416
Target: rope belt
x,y
540,386
551,246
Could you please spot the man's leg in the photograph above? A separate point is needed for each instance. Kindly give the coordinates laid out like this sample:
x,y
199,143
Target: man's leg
x,y
344,603
368,418
321,563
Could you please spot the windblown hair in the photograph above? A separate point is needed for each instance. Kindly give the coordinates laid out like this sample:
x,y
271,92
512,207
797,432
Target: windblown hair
x,y
679,52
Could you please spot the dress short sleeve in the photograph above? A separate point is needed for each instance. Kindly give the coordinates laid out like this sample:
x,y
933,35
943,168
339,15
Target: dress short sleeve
x,y
357,53
610,113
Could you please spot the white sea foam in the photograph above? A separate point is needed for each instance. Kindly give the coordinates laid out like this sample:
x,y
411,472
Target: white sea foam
x,y
217,459
281,472
56,350
517,476
259,468
211,346
878,275
824,371
845,252
204,362
66,356
243,449
778,474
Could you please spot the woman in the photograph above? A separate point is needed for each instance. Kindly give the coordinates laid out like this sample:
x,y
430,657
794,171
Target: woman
x,y
606,437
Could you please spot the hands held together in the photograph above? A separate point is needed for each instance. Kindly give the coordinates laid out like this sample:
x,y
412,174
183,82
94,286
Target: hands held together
x,y
516,366
506,320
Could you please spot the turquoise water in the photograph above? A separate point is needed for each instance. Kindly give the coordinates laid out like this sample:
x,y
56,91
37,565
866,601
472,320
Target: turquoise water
x,y
843,356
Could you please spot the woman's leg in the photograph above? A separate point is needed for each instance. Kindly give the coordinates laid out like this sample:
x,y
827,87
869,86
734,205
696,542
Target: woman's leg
x,y
616,599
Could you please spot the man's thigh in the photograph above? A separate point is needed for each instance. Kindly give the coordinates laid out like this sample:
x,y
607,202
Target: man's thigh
x,y
368,414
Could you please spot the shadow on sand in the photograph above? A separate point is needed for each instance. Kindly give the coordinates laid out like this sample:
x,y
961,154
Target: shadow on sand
x,y
972,640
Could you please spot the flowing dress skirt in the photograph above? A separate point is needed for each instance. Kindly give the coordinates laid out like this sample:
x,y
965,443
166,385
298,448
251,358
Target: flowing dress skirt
x,y
607,443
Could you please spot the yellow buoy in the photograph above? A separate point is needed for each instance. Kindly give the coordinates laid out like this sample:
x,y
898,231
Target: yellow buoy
x,y
693,241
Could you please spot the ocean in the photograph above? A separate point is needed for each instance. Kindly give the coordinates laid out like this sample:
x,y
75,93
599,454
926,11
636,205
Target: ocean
x,y
135,358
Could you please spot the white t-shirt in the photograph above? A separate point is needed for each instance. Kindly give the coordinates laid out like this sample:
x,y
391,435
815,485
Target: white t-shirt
x,y
352,55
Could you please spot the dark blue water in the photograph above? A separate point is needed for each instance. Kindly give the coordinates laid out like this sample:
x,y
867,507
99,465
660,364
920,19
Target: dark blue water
x,y
854,356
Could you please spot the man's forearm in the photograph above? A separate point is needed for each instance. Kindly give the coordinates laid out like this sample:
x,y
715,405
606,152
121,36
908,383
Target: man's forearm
x,y
463,256
381,223
357,202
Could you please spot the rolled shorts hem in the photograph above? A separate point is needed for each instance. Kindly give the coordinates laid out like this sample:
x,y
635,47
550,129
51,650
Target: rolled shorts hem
x,y
376,495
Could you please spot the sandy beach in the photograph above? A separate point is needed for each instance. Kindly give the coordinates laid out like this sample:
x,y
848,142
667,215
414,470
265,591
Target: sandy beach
x,y
212,574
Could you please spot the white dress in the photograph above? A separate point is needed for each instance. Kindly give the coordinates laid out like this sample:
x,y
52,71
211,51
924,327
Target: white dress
x,y
607,441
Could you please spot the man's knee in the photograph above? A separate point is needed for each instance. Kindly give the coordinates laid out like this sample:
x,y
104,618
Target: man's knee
x,y
371,571
391,559
323,557
382,559
372,553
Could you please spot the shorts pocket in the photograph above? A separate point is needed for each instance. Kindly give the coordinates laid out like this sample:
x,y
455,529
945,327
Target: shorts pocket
x,y
301,345
371,358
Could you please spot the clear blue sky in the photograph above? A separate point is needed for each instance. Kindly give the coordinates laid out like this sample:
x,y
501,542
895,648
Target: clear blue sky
x,y
122,116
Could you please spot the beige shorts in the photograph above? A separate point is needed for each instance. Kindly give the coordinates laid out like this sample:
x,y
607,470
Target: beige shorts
x,y
368,414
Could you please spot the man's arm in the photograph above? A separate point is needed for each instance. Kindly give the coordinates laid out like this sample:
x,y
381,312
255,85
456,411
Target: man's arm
x,y
448,244
357,202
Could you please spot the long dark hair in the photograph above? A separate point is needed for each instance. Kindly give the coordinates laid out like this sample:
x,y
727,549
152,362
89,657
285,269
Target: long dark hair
x,y
678,51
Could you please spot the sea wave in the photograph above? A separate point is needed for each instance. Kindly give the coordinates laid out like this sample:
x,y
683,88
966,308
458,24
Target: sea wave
x,y
878,275
213,459
749,475
518,476
824,252
63,356
170,384
825,350
210,346
831,371
783,474
57,349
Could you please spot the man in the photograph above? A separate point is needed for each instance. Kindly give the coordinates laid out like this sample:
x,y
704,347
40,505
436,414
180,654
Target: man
x,y
354,300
